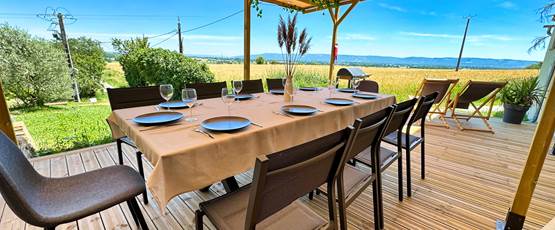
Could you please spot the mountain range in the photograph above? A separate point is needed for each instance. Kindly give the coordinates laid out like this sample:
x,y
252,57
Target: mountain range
x,y
420,62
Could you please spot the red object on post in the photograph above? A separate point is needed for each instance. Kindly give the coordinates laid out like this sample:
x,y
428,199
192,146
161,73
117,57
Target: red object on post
x,y
335,51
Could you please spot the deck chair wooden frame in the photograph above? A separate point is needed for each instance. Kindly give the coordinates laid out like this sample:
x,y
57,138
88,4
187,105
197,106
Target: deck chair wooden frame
x,y
442,99
453,105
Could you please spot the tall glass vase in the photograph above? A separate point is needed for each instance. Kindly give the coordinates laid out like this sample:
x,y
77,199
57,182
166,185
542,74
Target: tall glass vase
x,y
288,89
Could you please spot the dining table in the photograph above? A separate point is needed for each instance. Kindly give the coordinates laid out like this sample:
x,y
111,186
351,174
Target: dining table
x,y
187,157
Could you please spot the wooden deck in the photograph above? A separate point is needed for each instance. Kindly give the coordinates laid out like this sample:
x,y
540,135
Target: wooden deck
x,y
471,180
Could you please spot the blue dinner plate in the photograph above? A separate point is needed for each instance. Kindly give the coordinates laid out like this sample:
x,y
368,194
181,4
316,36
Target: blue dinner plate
x,y
225,123
339,101
277,91
242,97
346,90
299,109
158,118
365,96
309,89
174,105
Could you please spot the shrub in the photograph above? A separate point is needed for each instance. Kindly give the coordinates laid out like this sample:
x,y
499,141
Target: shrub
x,y
32,70
259,60
522,92
88,58
155,66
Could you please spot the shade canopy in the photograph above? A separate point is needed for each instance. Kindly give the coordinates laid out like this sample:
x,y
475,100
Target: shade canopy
x,y
306,6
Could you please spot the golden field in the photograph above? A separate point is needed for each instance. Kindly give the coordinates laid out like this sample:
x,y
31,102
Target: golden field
x,y
401,82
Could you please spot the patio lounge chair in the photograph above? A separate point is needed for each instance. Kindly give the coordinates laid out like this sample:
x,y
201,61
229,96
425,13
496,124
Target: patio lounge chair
x,y
208,90
252,86
279,179
48,202
388,157
369,86
409,141
443,87
274,83
123,98
473,92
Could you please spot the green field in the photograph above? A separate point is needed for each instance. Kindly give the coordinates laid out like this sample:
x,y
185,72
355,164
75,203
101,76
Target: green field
x,y
62,127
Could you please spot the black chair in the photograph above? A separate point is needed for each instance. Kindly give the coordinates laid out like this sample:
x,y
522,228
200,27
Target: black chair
x,y
422,108
252,86
208,90
369,86
49,202
124,98
274,83
279,180
387,157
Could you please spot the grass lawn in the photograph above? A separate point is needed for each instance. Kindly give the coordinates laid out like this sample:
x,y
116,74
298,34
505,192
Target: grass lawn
x,y
59,128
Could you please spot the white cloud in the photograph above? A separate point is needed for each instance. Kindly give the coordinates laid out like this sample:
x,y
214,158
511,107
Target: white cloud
x,y
392,7
356,37
507,5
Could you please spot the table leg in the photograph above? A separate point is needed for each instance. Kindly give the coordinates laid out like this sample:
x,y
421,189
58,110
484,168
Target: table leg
x,y
230,184
205,189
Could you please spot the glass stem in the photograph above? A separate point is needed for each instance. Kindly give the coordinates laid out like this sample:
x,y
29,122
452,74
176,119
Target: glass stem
x,y
192,111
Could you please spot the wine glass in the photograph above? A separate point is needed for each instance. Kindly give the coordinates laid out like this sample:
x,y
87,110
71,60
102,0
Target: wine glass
x,y
237,86
332,86
166,91
355,83
228,97
284,82
189,97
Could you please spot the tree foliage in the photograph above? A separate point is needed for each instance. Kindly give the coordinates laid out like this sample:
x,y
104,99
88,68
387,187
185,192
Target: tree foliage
x,y
88,58
154,66
32,70
260,60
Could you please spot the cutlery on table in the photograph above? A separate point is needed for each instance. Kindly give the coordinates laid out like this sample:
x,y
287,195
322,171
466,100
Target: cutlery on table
x,y
283,114
204,132
255,124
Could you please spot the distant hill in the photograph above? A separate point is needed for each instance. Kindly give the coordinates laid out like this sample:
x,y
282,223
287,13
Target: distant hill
x,y
420,62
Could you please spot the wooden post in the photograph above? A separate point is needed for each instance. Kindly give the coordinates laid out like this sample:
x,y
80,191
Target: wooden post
x,y
5,120
247,41
65,43
536,157
179,36
336,19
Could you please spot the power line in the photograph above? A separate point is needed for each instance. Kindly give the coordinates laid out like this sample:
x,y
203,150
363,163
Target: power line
x,y
168,38
213,22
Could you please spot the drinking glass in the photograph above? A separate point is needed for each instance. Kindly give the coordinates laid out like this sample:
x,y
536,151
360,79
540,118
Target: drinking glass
x,y
228,98
189,97
166,91
284,82
237,86
332,86
355,83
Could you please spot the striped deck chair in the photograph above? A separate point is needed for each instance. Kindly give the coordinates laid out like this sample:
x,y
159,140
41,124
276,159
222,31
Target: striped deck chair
x,y
443,87
473,92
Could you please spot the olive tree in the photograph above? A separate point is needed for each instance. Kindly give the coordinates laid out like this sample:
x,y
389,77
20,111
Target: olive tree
x,y
33,71
88,58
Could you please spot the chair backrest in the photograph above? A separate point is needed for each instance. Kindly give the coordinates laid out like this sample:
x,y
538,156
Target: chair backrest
x,y
442,86
19,182
274,83
281,178
423,107
401,115
369,131
252,86
123,98
476,90
369,86
208,90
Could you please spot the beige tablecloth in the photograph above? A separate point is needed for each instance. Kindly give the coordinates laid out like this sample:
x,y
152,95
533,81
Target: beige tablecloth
x,y
185,160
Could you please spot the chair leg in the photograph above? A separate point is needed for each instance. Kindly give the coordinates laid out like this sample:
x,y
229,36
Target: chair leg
x,y
136,211
375,202
120,151
142,173
423,160
409,189
400,177
198,220
311,195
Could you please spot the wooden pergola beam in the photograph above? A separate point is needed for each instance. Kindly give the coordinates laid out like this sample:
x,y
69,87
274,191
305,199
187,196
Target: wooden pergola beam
x,y
247,41
6,122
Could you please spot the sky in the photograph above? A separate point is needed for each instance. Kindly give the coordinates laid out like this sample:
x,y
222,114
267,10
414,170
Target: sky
x,y
400,28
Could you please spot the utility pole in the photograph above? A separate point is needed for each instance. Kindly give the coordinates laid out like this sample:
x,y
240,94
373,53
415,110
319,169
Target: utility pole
x,y
179,36
69,59
463,41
